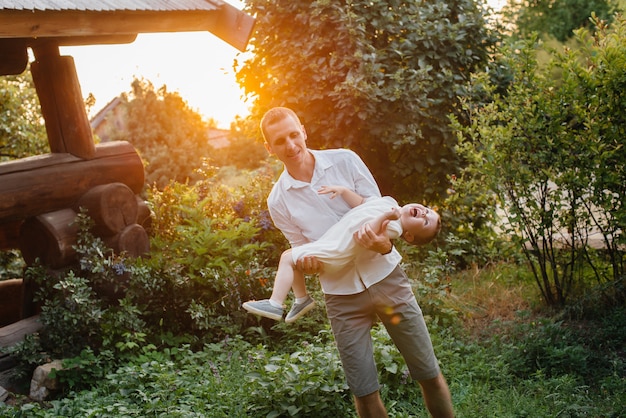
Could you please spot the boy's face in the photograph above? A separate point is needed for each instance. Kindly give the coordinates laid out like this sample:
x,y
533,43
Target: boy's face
x,y
418,222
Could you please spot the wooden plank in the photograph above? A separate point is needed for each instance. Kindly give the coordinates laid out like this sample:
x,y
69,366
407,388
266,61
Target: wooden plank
x,y
14,333
235,27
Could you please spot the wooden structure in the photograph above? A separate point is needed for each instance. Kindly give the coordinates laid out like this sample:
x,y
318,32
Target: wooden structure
x,y
40,196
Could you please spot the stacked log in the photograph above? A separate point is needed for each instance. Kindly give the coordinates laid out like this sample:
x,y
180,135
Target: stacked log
x,y
11,294
50,237
113,207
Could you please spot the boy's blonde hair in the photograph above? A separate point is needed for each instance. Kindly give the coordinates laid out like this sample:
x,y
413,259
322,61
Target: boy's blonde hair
x,y
423,240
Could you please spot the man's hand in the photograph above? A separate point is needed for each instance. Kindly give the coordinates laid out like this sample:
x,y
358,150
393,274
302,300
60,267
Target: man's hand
x,y
376,241
309,265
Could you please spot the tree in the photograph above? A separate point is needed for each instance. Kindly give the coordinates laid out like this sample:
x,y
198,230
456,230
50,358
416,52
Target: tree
x,y
170,136
379,77
556,18
244,152
552,149
22,128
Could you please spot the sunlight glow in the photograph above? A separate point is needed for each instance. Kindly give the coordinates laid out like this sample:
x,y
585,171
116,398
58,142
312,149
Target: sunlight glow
x,y
197,65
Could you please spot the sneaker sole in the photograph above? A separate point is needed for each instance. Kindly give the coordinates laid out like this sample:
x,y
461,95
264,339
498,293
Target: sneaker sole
x,y
262,313
304,310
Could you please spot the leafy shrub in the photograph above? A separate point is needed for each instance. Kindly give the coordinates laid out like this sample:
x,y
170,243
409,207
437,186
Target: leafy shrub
x,y
306,382
210,247
217,379
431,280
548,348
11,264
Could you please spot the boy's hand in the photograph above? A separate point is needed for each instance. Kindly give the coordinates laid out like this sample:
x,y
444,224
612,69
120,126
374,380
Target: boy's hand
x,y
334,191
393,214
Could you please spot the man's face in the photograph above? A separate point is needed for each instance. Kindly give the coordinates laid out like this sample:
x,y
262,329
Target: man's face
x,y
287,140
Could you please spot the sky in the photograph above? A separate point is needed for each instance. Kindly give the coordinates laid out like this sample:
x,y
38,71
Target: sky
x,y
197,65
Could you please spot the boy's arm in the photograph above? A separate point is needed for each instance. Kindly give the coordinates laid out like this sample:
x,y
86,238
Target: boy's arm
x,y
351,198
380,222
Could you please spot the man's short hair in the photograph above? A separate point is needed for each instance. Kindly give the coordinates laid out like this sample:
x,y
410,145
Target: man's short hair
x,y
274,115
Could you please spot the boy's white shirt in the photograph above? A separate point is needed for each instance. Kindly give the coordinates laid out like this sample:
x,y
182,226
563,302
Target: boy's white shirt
x,y
303,215
337,247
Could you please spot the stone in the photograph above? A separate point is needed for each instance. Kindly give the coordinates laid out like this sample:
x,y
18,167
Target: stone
x,y
41,385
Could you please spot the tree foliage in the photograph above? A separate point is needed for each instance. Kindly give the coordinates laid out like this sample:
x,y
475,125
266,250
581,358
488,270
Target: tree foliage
x,y
552,149
22,128
379,77
170,136
244,151
556,18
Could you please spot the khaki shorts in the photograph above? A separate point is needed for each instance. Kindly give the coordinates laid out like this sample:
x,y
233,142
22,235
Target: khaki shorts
x,y
352,317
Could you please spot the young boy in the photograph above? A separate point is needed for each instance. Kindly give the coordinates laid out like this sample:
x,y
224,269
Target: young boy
x,y
413,222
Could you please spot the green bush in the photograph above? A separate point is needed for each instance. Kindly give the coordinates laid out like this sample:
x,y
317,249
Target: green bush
x,y
306,382
546,347
493,376
210,248
550,148
213,247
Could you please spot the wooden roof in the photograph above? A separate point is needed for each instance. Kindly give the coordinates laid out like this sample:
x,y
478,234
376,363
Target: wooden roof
x,y
108,5
84,22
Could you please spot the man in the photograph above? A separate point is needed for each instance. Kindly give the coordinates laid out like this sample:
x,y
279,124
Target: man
x,y
374,285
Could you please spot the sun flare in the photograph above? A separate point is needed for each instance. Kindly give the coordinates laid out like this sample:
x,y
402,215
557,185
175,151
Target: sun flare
x,y
197,65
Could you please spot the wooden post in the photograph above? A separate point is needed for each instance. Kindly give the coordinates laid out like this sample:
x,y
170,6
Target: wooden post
x,y
61,102
14,56
11,295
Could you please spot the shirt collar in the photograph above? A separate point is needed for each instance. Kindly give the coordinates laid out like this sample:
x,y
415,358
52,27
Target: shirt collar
x,y
322,163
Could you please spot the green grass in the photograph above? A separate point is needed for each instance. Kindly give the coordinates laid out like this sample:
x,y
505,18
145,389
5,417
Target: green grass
x,y
503,357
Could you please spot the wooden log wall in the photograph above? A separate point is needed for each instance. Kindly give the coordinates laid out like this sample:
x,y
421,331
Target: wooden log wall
x,y
41,196
45,183
113,207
